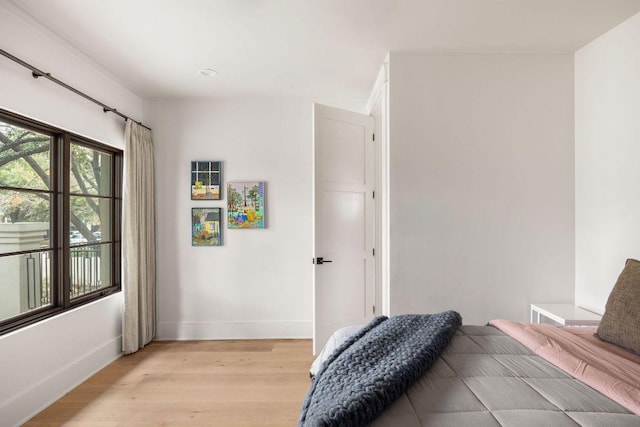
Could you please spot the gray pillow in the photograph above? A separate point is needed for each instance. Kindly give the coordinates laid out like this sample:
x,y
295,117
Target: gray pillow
x,y
620,323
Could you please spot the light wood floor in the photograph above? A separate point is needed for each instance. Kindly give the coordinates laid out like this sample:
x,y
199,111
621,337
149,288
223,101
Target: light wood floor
x,y
192,383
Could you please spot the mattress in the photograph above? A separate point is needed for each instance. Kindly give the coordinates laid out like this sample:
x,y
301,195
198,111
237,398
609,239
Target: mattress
x,y
486,378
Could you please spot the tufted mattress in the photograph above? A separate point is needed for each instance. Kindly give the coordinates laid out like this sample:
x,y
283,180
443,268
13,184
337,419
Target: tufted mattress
x,y
486,378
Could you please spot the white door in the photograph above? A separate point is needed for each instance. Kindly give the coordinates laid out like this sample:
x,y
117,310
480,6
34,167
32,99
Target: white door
x,y
344,221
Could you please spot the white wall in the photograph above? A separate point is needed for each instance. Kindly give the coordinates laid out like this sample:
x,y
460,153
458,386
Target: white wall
x,y
482,183
40,363
607,79
258,284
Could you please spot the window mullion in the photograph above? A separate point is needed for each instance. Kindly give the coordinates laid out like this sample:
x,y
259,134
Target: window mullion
x,y
65,261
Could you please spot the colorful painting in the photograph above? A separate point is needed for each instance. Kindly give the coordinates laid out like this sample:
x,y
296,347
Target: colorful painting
x,y
205,180
245,204
205,227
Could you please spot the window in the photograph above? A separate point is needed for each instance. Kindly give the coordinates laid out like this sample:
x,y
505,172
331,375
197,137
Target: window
x,y
60,210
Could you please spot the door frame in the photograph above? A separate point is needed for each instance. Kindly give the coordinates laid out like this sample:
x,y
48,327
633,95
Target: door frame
x,y
378,107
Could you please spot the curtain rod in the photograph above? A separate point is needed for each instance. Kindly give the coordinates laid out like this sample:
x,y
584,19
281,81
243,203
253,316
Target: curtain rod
x,y
38,73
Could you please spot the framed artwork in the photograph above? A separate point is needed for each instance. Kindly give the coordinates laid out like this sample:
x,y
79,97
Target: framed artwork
x,y
206,178
245,204
205,227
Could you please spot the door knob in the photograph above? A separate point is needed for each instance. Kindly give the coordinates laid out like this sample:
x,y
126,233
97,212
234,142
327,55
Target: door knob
x,y
320,260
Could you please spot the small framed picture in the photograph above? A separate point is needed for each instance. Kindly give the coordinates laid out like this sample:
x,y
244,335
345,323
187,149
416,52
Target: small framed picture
x,y
206,179
245,204
206,227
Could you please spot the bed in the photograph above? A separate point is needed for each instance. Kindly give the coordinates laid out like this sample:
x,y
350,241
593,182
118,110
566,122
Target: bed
x,y
501,374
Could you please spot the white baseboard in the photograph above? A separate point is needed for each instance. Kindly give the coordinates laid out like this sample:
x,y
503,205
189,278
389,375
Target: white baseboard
x,y
233,330
42,394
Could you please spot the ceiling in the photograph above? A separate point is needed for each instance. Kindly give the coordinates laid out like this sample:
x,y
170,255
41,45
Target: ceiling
x,y
303,48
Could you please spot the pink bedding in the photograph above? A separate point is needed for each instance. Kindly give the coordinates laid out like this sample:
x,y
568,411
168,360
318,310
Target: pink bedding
x,y
609,369
588,332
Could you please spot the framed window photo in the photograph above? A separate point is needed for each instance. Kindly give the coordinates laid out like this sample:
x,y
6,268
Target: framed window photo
x,y
206,177
245,204
206,227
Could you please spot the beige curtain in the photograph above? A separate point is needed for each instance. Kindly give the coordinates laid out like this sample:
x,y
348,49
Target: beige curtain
x,y
139,239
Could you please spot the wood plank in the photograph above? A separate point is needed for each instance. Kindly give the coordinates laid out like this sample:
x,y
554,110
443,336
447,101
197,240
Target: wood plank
x,y
230,383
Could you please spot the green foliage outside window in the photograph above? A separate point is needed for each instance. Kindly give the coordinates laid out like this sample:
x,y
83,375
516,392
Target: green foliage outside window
x,y
25,164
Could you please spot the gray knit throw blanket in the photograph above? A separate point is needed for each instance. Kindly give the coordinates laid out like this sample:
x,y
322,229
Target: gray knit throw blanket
x,y
372,369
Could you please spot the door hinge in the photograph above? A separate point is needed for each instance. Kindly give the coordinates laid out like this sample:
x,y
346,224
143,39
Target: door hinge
x,y
373,309
373,251
373,138
374,194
